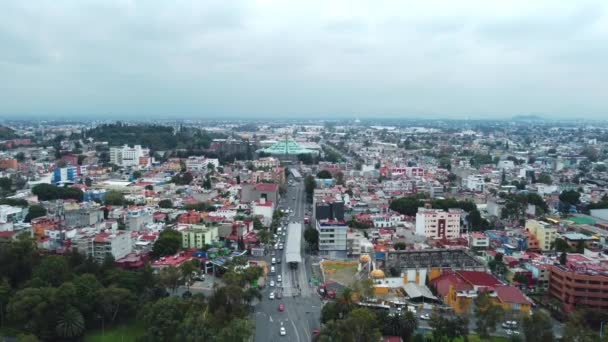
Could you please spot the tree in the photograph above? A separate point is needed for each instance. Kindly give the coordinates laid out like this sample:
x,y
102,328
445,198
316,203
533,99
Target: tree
x,y
182,178
487,314
88,182
165,203
545,178
5,295
571,197
324,174
563,258
311,236
168,243
81,159
309,186
70,324
339,178
538,327
52,271
113,197
115,302
162,318
363,325
577,329
450,328
330,312
5,184
34,211
186,270
170,277
400,245
407,205
137,174
237,330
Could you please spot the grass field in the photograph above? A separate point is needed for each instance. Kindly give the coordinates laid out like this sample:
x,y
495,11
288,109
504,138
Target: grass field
x,y
343,273
120,333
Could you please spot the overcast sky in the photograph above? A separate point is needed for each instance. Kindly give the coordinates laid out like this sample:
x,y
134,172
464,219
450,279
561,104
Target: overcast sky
x,y
308,58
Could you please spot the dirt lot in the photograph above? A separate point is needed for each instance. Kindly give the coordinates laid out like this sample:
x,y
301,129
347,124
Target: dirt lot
x,y
340,272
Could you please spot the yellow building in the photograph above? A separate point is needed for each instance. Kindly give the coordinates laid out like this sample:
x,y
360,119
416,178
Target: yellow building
x,y
544,232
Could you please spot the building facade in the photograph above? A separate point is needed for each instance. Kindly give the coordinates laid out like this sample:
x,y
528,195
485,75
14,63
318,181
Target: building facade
x,y
578,288
332,236
197,236
544,232
127,156
438,224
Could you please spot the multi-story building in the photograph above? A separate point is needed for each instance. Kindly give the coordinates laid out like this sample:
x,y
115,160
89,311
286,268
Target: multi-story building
x,y
137,219
115,244
579,284
544,232
68,175
82,217
8,164
252,192
11,214
127,156
474,183
479,240
332,237
197,236
438,224
263,208
357,243
200,164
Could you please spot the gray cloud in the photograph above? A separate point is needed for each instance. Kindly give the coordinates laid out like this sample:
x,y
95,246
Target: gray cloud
x,y
294,58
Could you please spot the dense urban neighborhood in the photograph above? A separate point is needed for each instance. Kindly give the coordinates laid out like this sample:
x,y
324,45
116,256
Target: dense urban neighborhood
x,y
304,231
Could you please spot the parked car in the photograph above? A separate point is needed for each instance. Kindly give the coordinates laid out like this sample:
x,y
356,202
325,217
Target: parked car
x,y
279,278
283,332
281,307
272,283
425,317
271,295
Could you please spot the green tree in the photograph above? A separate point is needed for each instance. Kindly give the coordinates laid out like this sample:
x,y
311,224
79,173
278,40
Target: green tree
x,y
571,197
186,270
162,318
168,243
137,174
237,330
407,205
324,174
309,186
311,236
563,258
165,203
34,211
5,184
5,295
545,178
538,327
115,303
52,271
170,277
113,197
488,314
577,329
70,324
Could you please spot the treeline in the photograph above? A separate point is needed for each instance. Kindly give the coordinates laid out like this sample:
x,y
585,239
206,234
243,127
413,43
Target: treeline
x,y
155,137
409,206
60,298
48,192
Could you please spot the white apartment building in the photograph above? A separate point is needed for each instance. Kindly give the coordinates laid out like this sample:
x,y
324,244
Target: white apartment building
x,y
200,164
332,236
10,214
127,156
438,224
474,183
357,244
479,240
99,245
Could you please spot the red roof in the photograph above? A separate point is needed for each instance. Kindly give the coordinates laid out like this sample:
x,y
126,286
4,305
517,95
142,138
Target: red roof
x,y
476,278
7,234
443,283
510,294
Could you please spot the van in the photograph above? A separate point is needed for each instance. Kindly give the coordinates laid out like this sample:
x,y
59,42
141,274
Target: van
x,y
273,261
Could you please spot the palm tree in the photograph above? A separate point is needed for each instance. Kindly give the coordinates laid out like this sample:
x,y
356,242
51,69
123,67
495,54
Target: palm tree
x,y
70,324
346,297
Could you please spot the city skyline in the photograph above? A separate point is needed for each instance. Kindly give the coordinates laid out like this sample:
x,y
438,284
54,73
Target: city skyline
x,y
271,59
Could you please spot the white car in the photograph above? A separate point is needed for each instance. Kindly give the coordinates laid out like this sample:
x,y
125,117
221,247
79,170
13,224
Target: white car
x,y
425,317
283,332
272,283
279,278
271,295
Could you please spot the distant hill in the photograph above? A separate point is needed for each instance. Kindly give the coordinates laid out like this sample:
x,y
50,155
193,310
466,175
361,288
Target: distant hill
x,y
7,133
529,117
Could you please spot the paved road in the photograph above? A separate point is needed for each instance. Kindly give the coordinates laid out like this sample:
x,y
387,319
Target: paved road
x,y
302,305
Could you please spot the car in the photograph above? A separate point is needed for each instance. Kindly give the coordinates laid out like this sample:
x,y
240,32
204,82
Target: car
x,y
272,283
279,278
509,332
271,295
279,295
273,261
272,270
283,332
281,307
425,317
316,332
278,260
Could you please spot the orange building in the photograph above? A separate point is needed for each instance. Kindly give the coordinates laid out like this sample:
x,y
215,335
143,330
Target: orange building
x,y
8,164
579,287
40,225
191,217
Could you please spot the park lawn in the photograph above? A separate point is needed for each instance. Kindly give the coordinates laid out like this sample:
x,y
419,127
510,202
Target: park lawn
x,y
120,333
